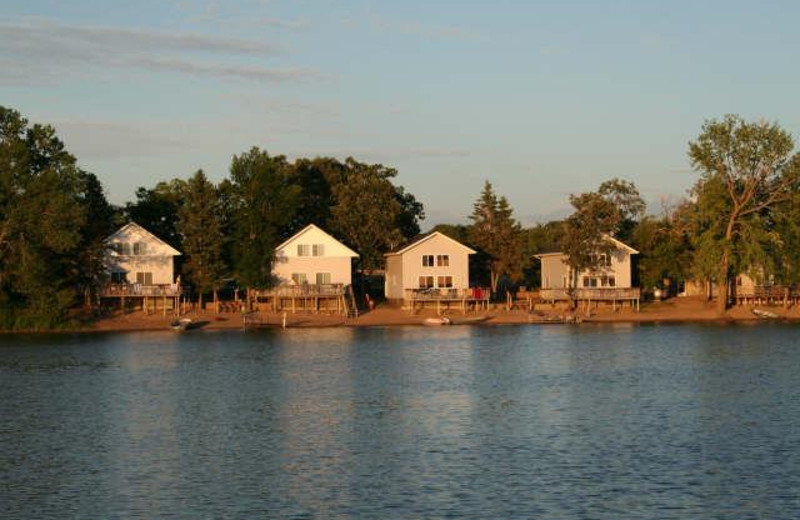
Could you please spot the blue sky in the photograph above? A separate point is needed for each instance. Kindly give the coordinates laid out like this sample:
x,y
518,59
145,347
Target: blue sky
x,y
543,99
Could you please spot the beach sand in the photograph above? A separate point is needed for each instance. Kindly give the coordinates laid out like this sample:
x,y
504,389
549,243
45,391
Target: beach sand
x,y
692,309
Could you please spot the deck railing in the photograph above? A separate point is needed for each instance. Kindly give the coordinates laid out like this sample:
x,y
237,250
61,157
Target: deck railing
x,y
592,293
433,294
302,291
137,289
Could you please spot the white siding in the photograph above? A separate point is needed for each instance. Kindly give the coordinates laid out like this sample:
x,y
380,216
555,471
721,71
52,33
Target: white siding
x,y
157,257
333,257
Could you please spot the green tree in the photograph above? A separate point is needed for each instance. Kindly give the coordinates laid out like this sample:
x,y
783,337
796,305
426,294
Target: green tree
x,y
497,235
264,203
624,195
200,226
370,214
157,209
585,230
758,173
43,216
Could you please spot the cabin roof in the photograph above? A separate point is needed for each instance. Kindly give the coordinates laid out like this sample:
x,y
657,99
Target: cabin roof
x,y
418,241
310,227
134,225
620,245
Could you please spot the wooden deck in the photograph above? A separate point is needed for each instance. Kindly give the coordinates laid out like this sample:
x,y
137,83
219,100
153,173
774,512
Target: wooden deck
x,y
149,298
614,295
767,295
326,298
446,299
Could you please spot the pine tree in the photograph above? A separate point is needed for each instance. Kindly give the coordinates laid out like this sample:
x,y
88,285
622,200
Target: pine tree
x,y
497,235
200,228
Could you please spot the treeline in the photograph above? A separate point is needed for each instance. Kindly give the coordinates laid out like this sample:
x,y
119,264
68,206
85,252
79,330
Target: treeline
x,y
54,218
741,216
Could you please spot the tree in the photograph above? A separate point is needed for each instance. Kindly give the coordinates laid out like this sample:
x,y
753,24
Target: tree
x,y
200,228
624,195
758,173
585,231
497,235
370,214
157,209
264,203
43,222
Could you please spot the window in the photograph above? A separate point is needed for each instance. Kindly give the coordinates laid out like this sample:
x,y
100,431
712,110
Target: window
x,y
144,278
323,278
303,250
119,277
139,248
299,278
318,250
593,282
425,282
427,260
117,248
444,281
612,282
586,281
442,260
125,248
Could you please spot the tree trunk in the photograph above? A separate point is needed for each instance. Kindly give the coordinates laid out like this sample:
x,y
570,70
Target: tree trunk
x,y
200,302
722,285
722,281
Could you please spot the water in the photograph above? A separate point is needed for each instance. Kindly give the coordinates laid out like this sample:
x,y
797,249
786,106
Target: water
x,y
553,422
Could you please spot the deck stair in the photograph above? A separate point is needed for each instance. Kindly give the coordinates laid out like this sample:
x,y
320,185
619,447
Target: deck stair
x,y
351,309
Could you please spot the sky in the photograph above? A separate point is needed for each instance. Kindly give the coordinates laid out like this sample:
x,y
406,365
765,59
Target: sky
x,y
543,99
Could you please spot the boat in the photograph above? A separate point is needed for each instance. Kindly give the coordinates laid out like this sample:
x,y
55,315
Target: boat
x,y
765,315
181,324
437,321
469,320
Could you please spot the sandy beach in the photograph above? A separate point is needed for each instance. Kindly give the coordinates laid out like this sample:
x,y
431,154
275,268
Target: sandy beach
x,y
673,310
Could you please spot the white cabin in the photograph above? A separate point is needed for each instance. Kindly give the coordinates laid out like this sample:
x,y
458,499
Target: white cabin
x,y
613,269
312,256
434,261
136,256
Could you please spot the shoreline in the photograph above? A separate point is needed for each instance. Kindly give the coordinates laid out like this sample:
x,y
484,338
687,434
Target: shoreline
x,y
673,311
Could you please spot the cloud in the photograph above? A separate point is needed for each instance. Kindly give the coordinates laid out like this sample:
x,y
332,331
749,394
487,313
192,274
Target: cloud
x,y
47,49
243,71
51,35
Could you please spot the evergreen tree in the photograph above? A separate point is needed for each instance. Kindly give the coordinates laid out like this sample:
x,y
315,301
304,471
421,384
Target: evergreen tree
x,y
200,229
497,235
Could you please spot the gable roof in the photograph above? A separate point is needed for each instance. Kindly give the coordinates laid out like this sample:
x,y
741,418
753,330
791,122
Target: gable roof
x,y
134,225
620,245
426,238
317,228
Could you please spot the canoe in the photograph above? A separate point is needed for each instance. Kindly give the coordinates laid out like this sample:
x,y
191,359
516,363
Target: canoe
x,y
436,321
765,315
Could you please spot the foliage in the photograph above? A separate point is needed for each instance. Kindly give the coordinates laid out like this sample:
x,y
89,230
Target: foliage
x,y
594,218
497,236
748,174
624,195
264,203
44,203
370,214
200,226
157,210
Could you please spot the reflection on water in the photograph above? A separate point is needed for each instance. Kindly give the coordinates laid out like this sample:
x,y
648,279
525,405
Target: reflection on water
x,y
611,421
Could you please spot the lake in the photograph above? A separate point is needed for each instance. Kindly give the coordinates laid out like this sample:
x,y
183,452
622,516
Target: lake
x,y
559,422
